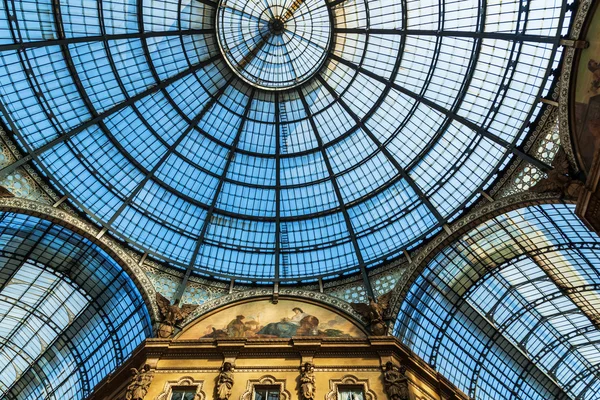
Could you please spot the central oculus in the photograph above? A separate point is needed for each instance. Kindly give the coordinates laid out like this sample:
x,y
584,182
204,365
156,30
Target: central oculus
x,y
274,44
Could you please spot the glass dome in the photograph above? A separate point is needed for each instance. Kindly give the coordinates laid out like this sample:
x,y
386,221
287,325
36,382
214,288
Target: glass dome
x,y
320,140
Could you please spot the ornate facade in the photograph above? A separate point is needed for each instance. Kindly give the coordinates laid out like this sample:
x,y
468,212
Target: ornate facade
x,y
265,353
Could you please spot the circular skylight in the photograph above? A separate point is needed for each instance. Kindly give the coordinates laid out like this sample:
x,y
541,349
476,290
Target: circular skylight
x,y
273,44
355,131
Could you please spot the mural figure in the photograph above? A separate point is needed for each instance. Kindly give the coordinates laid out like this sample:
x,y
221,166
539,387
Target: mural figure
x,y
594,68
171,315
225,381
237,328
395,382
300,324
307,381
374,313
140,382
263,319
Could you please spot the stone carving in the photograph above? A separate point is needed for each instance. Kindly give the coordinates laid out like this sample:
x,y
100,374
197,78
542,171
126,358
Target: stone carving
x,y
560,179
395,382
225,381
140,381
4,193
171,315
307,381
375,313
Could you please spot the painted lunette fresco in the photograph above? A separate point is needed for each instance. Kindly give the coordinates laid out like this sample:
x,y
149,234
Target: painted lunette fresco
x,y
263,319
587,95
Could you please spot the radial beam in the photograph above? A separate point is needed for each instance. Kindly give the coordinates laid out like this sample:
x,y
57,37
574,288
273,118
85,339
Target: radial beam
x,y
191,126
448,113
338,194
101,38
113,110
424,199
461,34
211,210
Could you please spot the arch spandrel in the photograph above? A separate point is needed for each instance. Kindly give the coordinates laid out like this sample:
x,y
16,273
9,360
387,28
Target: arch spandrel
x,y
260,318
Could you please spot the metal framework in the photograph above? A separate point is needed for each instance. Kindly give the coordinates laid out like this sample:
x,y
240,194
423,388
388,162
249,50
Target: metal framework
x,y
135,115
510,309
69,314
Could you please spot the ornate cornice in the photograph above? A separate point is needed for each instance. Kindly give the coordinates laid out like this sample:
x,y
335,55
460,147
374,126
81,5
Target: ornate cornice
x,y
90,232
456,230
565,82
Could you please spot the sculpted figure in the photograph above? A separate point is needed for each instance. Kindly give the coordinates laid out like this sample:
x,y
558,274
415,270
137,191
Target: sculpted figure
x,y
225,381
395,382
307,381
171,315
5,194
140,381
374,313
559,179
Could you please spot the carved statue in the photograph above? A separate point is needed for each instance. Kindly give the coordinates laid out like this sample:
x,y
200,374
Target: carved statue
x,y
171,315
374,313
140,381
559,179
395,382
307,381
5,194
225,381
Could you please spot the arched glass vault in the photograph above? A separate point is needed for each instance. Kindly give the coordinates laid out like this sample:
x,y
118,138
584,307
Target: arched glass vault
x,y
511,309
69,314
229,155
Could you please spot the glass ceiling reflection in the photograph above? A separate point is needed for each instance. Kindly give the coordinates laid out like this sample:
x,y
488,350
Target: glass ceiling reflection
x,y
130,109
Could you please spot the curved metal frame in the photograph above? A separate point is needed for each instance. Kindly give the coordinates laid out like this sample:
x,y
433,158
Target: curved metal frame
x,y
90,232
483,269
451,114
63,258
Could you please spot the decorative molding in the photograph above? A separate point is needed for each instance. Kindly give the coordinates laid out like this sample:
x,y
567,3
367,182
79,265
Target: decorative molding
x,y
184,381
90,232
334,384
569,54
456,230
284,394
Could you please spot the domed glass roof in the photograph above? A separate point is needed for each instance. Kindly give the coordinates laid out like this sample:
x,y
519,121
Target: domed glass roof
x,y
274,139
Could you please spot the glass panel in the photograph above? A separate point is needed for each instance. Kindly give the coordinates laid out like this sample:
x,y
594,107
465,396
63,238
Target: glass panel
x,y
169,129
508,310
348,392
184,393
266,392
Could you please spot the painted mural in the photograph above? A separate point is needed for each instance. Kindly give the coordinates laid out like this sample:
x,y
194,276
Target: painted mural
x,y
587,95
263,319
